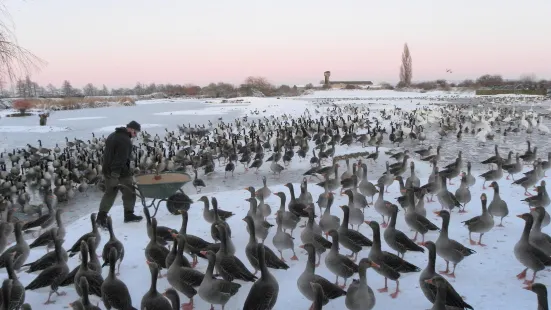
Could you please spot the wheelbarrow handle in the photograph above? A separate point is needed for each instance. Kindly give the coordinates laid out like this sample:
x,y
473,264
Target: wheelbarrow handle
x,y
135,189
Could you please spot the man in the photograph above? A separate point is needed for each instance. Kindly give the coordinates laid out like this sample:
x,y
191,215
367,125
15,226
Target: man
x,y
116,170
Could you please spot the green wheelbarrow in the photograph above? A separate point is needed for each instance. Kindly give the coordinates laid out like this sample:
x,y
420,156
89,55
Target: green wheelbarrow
x,y
161,187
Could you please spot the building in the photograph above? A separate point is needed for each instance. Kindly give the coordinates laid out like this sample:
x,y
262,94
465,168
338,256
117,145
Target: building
x,y
327,83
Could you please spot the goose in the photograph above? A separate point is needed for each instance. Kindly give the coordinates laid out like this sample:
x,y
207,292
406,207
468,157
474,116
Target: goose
x,y
215,291
264,292
114,293
528,255
480,224
359,295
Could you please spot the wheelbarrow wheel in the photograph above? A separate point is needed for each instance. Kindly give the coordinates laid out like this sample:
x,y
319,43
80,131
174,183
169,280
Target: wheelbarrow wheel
x,y
177,202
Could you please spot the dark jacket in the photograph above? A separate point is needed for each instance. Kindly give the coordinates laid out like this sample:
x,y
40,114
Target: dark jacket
x,y
116,155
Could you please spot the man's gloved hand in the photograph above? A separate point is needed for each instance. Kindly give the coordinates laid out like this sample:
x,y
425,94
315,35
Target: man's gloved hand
x,y
115,175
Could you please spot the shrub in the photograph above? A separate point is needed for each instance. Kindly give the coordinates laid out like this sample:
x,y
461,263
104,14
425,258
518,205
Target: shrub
x,y
73,103
22,105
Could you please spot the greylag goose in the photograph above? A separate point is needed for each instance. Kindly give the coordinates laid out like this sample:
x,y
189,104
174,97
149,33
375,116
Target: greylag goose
x,y
418,222
114,293
95,280
412,181
94,233
154,252
308,235
359,295
112,243
356,215
52,276
330,290
181,276
229,266
513,168
527,254
462,193
49,258
45,238
215,291
390,265
295,207
152,299
449,249
261,226
282,240
17,292
19,251
271,261
480,224
453,299
351,239
498,206
527,182
264,292
339,265
380,205
319,297
538,238
172,295
194,244
328,221
541,292
365,187
289,220
264,192
471,180
396,239
492,175
84,297
441,292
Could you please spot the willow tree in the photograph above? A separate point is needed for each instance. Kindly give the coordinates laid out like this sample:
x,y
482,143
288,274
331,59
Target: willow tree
x,y
15,61
406,70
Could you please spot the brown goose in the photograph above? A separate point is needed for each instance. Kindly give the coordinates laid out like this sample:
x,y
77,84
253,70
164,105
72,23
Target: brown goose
x,y
359,295
441,292
331,291
419,223
45,238
541,292
95,280
155,252
480,224
351,239
319,297
181,276
492,175
396,239
538,238
112,243
339,265
52,276
114,293
216,291
174,298
271,259
453,299
152,299
390,265
264,292
449,249
229,266
94,233
219,221
328,221
528,255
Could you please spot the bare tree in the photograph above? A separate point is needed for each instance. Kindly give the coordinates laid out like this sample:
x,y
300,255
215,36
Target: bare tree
x,y
406,69
67,89
15,61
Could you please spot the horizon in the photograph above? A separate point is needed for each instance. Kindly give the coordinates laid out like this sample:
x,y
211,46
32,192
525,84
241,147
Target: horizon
x,y
121,43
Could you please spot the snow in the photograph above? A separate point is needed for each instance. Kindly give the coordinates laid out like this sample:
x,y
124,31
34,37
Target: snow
x,y
85,118
33,129
382,94
113,127
205,111
494,266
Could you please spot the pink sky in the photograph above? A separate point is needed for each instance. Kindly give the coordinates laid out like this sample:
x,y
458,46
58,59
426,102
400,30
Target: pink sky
x,y
119,43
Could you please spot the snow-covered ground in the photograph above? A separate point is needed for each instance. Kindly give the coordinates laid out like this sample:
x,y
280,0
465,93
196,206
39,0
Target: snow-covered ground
x,y
486,279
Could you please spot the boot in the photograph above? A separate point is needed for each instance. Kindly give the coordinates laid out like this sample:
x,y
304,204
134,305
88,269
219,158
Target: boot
x,y
131,217
101,219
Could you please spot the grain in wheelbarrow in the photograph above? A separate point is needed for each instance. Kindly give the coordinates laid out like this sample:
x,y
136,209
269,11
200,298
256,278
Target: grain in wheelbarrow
x,y
149,179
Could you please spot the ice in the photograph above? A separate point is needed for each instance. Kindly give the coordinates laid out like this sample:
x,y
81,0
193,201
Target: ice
x,y
33,129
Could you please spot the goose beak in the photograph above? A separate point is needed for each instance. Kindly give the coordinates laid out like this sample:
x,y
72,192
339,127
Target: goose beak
x,y
519,215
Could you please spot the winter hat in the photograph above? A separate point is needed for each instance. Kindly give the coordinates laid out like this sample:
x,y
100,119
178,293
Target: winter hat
x,y
134,125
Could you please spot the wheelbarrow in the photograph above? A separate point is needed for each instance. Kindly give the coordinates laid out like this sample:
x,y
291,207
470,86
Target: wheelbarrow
x,y
161,187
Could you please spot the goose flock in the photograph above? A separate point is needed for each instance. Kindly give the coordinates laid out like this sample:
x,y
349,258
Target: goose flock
x,y
362,226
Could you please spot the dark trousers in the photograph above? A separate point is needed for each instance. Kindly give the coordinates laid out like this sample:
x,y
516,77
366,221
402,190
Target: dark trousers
x,y
111,191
